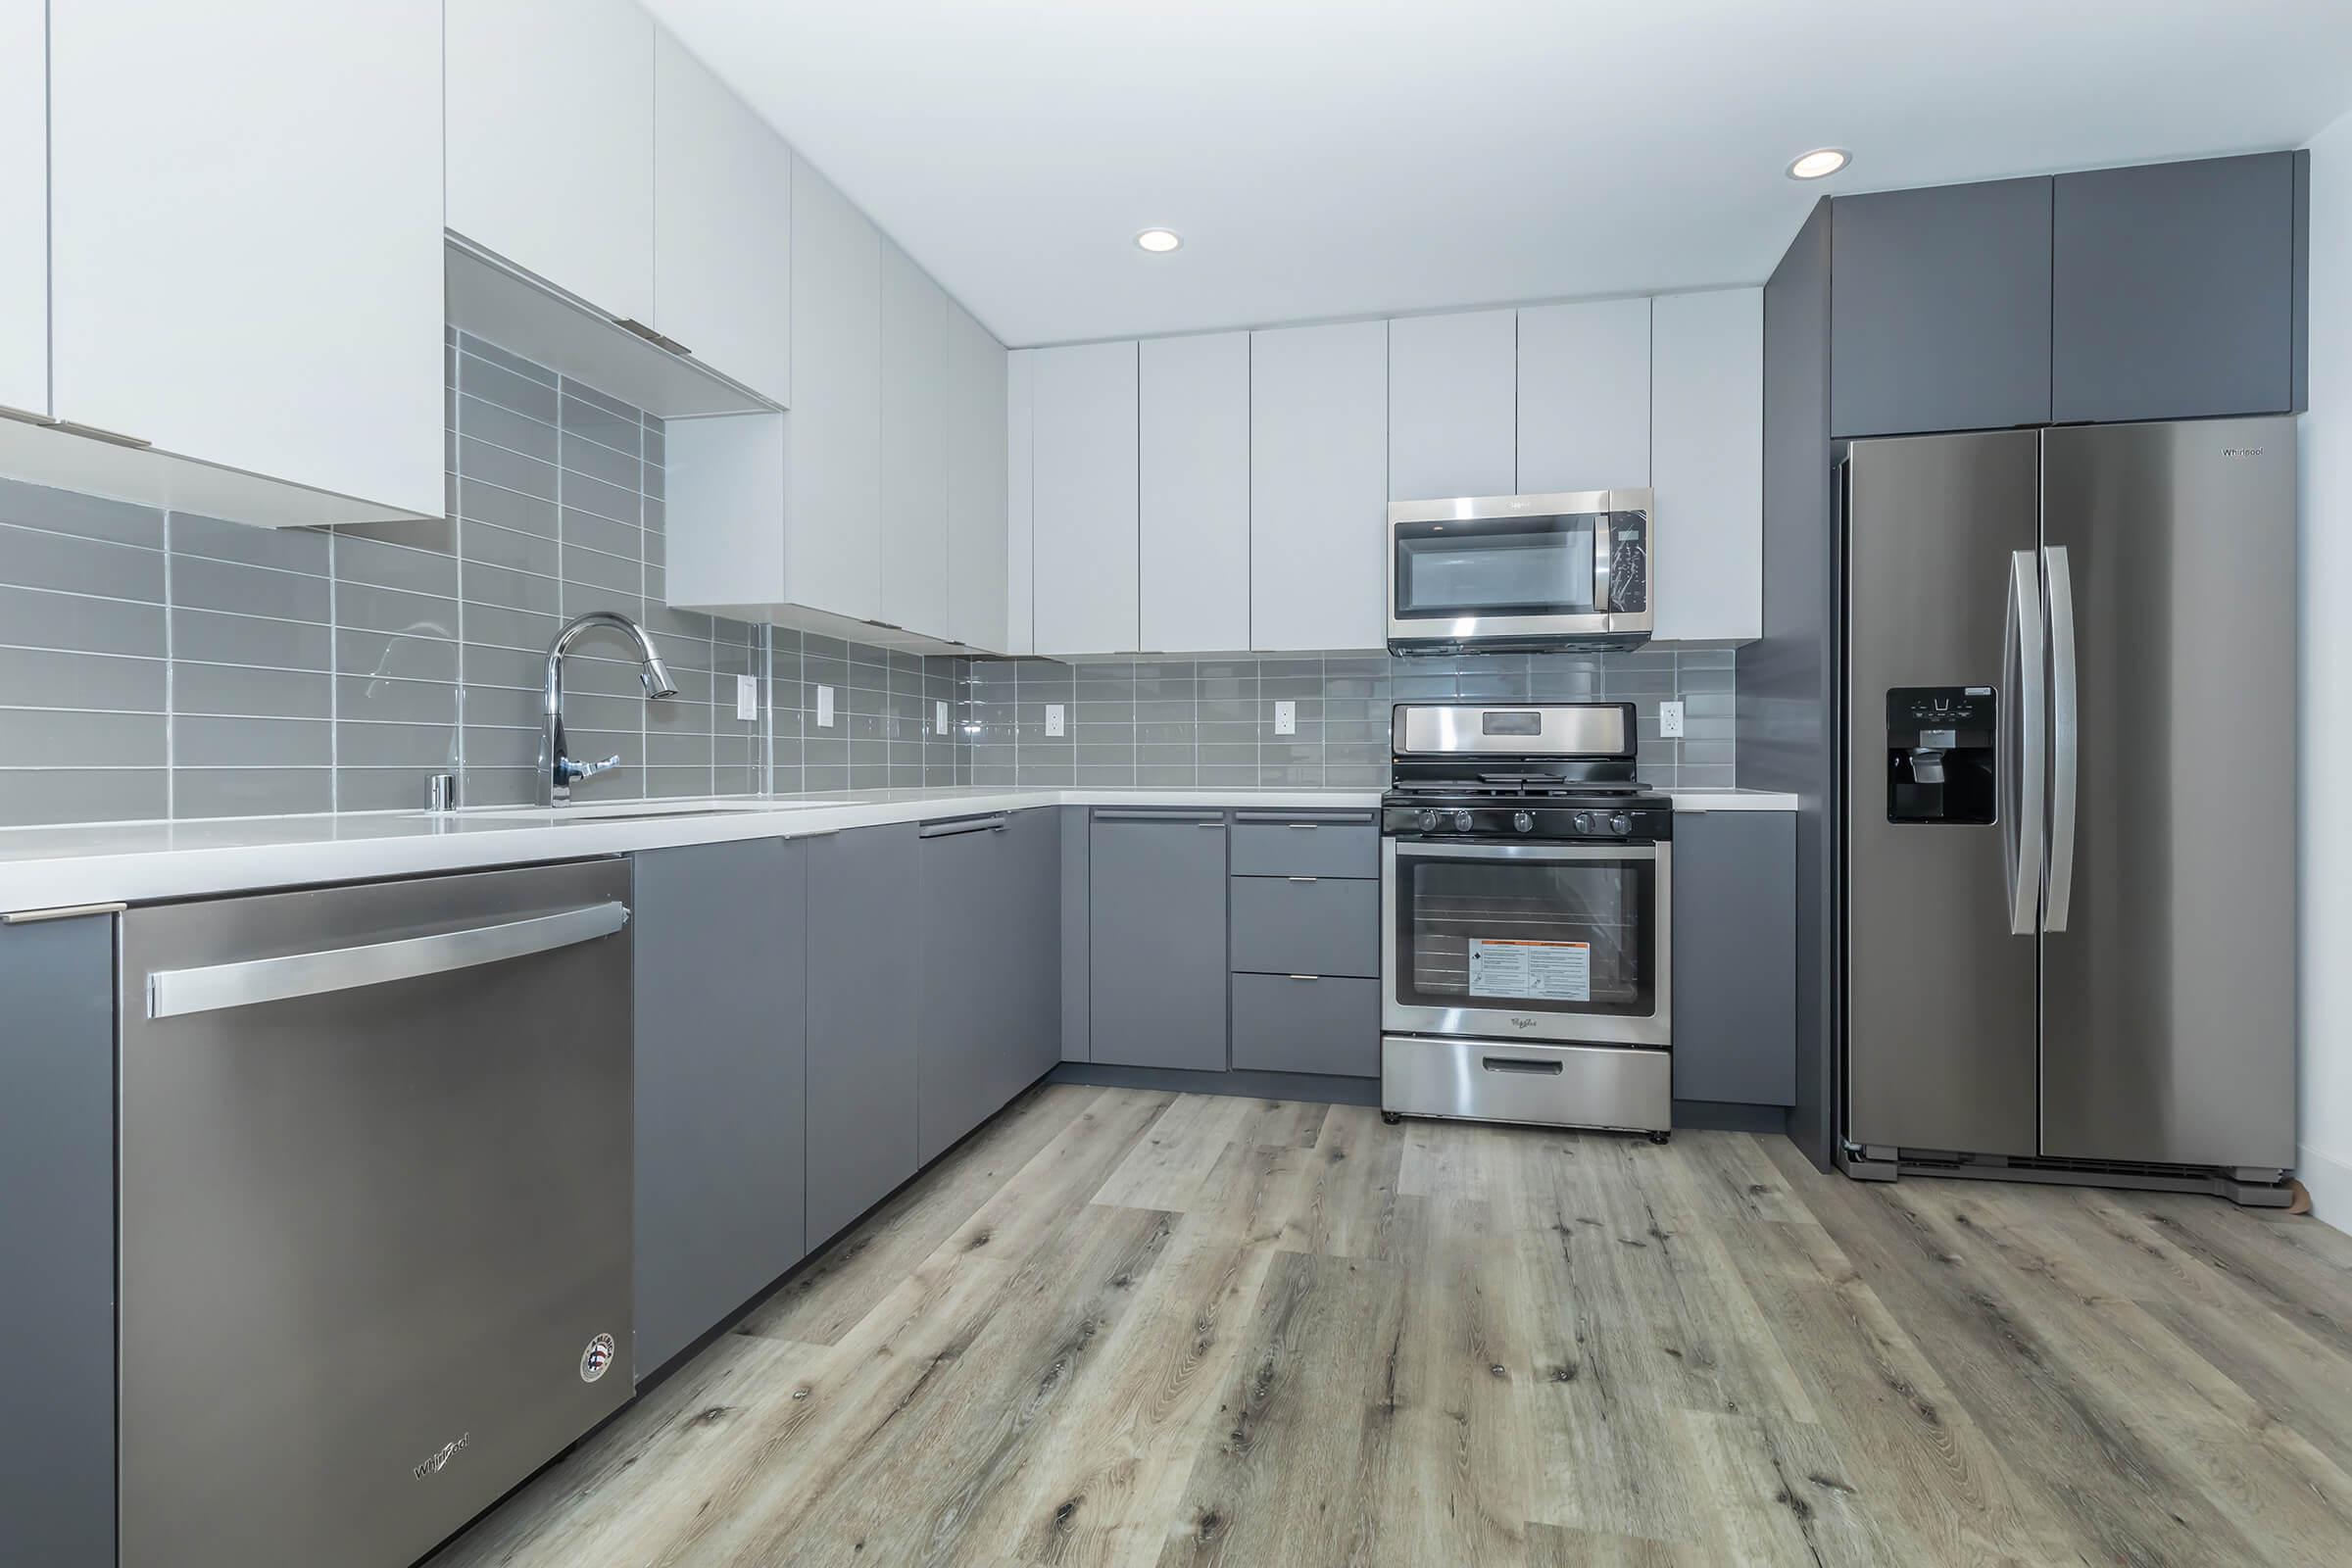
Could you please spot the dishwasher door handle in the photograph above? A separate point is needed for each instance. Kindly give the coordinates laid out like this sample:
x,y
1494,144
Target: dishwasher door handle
x,y
174,993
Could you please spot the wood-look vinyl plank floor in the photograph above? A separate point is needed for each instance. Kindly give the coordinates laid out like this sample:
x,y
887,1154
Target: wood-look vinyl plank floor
x,y
1118,1328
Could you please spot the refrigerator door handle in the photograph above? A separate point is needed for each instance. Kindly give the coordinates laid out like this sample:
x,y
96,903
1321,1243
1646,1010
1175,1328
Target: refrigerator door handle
x,y
2064,737
2022,659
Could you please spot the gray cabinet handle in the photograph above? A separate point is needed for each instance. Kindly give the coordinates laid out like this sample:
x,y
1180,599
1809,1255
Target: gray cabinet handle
x,y
1148,815
1306,977
1301,879
174,993
1308,826
963,824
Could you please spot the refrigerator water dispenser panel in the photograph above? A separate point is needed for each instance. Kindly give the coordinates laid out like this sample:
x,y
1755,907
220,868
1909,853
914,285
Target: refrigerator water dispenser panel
x,y
1940,754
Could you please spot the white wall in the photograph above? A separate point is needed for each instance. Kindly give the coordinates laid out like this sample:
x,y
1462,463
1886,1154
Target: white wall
x,y
2325,1164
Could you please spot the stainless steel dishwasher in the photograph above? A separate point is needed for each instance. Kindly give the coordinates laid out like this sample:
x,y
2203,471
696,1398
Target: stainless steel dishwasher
x,y
376,1200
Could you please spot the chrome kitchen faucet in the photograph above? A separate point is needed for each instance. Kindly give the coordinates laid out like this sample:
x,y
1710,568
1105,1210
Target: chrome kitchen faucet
x,y
557,771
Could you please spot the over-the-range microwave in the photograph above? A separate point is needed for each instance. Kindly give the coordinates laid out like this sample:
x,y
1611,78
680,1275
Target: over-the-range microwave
x,y
1570,572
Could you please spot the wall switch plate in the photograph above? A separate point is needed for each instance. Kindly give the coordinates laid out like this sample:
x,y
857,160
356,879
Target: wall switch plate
x,y
1053,720
1670,720
1286,718
747,697
824,707
938,719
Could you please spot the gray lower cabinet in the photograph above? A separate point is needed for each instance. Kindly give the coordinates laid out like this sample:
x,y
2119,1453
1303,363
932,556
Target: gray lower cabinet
x,y
864,886
1155,893
1307,925
1306,1023
1734,957
2177,289
722,1070
57,1242
1939,308
990,961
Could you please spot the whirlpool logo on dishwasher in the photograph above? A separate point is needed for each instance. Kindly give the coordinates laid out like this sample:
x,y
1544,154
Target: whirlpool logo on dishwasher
x,y
448,1450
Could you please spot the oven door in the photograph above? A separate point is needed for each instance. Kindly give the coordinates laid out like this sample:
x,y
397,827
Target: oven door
x,y
1520,570
1556,942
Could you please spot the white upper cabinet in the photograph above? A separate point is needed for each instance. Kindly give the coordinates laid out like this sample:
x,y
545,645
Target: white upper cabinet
x,y
1584,397
914,447
245,233
1318,486
722,226
1707,465
23,207
1452,393
1020,501
551,138
976,484
1082,498
833,435
1194,493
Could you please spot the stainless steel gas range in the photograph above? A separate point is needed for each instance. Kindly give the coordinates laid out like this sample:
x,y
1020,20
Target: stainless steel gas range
x,y
1525,887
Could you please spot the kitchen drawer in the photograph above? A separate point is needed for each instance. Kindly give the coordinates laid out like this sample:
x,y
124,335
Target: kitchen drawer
x,y
1280,844
1306,926
1509,1080
1289,1024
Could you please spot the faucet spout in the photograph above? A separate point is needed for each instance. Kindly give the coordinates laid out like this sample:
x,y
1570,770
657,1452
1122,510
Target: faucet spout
x,y
556,770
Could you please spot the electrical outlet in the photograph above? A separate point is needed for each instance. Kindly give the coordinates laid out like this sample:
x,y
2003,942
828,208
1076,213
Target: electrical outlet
x,y
1670,720
1053,720
747,697
1286,718
938,719
824,707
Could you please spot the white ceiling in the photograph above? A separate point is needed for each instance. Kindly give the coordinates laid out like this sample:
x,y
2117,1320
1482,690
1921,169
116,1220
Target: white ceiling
x,y
1336,158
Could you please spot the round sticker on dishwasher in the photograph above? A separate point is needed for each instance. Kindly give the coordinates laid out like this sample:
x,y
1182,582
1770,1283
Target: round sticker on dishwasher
x,y
594,1358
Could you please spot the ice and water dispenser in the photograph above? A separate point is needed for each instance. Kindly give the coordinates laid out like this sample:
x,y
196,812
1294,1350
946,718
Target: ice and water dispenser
x,y
1939,762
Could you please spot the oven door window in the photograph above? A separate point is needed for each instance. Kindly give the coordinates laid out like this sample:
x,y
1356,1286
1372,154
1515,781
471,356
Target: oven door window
x,y
1512,567
1563,936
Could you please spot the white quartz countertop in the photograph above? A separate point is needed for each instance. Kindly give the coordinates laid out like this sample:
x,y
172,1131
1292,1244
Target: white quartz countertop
x,y
133,862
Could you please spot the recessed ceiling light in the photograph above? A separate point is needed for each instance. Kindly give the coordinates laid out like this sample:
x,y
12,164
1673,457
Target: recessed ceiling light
x,y
1820,162
1160,241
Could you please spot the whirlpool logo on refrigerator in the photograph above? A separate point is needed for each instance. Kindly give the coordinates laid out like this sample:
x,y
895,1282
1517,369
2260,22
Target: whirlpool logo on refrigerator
x,y
447,1452
2241,451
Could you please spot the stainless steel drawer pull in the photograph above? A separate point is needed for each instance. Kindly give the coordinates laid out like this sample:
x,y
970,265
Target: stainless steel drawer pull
x,y
1521,1064
1306,977
174,993
966,825
1302,879
1308,826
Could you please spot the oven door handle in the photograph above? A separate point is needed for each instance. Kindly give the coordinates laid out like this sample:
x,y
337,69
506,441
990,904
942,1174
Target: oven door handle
x,y
1563,854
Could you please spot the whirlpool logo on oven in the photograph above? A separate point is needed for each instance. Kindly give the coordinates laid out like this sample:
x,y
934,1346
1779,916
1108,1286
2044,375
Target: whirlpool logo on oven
x,y
447,1452
1523,1023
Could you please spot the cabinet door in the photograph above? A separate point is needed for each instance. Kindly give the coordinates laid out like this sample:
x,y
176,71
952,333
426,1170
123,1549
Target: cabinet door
x,y
1940,308
24,206
550,140
1193,397
862,888
1452,402
1031,922
1020,500
57,1242
1707,464
914,447
722,225
1318,486
976,485
720,941
960,1054
246,236
1156,940
1584,396
2174,290
833,435
1734,957
1083,499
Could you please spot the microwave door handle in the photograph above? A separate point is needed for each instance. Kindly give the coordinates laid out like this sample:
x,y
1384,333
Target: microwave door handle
x,y
1603,565
2065,734
2023,675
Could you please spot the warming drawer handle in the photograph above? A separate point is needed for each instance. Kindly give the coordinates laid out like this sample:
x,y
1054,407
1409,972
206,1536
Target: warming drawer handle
x,y
1522,1064
174,993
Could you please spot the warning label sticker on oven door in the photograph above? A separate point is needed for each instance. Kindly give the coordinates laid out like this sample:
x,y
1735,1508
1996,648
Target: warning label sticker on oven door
x,y
1541,971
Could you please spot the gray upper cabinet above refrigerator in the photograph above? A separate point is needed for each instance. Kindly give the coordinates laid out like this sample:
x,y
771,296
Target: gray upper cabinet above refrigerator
x,y
1940,308
2177,289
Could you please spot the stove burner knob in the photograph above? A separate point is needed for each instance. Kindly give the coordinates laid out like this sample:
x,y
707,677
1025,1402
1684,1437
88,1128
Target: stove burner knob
x,y
1429,821
1621,824
1461,821
1523,822
1584,821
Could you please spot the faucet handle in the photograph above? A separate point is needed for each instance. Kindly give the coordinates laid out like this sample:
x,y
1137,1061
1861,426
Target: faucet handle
x,y
573,772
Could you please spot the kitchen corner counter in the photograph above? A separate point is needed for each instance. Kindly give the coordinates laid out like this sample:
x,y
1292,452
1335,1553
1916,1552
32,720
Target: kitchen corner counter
x,y
44,868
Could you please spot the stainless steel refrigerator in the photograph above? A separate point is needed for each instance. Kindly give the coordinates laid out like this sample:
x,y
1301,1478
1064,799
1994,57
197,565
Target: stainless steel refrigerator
x,y
2069,847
